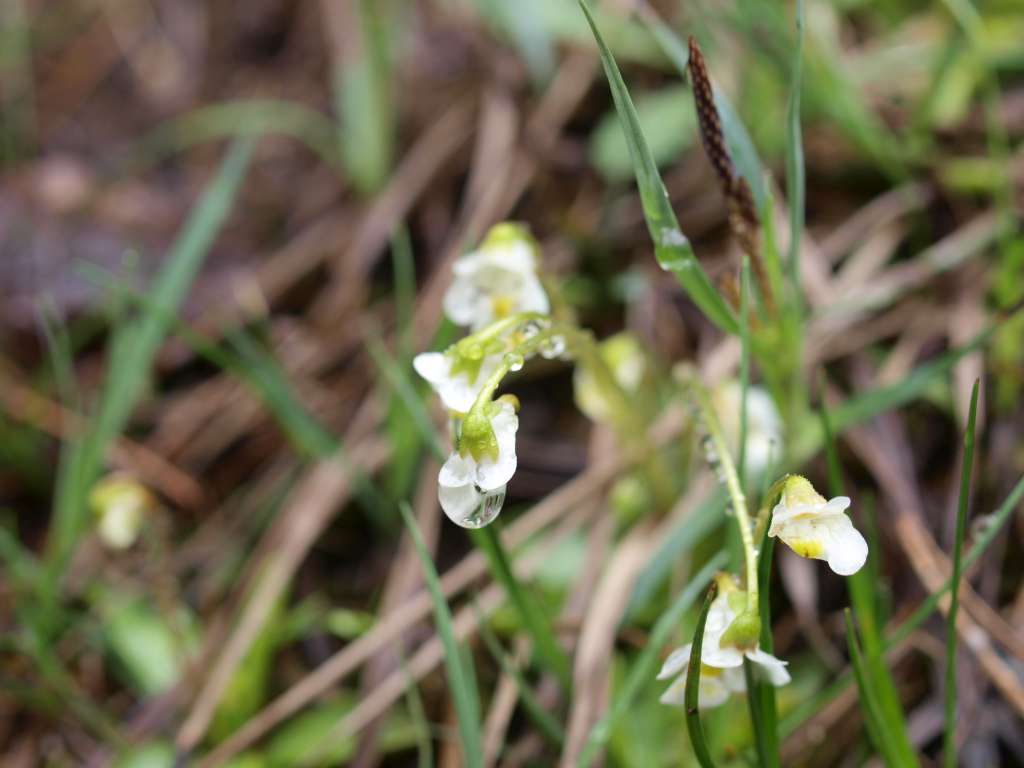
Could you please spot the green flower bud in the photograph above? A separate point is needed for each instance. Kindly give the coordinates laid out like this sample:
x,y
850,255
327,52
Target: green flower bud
x,y
477,438
744,632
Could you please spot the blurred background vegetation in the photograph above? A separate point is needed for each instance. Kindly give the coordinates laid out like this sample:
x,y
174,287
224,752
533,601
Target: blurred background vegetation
x,y
224,230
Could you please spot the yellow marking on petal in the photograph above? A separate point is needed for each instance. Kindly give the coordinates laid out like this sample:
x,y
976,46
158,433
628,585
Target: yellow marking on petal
x,y
706,671
502,306
806,547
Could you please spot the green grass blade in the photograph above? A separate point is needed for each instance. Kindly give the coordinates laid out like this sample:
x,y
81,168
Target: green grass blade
x,y
671,248
795,175
530,613
700,523
464,694
399,383
737,137
744,363
949,731
866,405
692,694
365,99
549,727
135,347
862,588
643,669
761,696
238,119
873,719
994,525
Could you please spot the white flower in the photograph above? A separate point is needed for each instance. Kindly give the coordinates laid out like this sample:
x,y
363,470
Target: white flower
x,y
625,359
495,281
120,505
814,527
764,425
721,666
458,385
471,484
715,684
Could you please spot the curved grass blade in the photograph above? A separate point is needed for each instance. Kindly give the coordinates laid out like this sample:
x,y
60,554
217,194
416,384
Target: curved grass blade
x,y
949,732
795,178
862,589
549,727
533,618
671,248
761,696
642,671
692,694
131,356
461,679
886,735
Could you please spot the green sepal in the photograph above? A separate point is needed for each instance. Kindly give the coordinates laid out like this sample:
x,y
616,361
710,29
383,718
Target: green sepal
x,y
744,632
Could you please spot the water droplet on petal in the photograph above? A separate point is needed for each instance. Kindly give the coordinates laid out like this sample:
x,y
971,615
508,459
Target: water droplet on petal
x,y
553,347
490,505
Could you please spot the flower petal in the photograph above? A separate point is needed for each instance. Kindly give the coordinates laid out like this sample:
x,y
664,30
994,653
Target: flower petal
x,y
711,692
435,367
676,662
829,537
768,667
457,470
492,473
459,502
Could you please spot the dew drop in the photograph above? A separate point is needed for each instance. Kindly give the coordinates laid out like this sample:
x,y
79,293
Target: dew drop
x,y
553,347
490,505
515,361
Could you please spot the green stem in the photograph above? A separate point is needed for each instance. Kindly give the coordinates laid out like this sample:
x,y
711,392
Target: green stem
x,y
732,484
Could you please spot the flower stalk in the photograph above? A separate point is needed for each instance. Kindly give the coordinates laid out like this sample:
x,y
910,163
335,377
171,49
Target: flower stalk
x,y
733,486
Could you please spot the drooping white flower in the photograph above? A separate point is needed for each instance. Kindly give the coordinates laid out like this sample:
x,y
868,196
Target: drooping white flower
x,y
721,666
120,504
497,280
764,425
625,359
471,484
456,381
715,685
818,528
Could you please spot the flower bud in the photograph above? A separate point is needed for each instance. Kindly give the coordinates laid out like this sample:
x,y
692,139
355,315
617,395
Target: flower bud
x,y
120,504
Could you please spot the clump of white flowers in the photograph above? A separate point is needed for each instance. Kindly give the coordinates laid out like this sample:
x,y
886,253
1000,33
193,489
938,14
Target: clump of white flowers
x,y
120,504
721,655
497,292
818,528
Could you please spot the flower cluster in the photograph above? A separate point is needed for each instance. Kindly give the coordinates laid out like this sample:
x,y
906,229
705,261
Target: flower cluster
x,y
498,294
721,656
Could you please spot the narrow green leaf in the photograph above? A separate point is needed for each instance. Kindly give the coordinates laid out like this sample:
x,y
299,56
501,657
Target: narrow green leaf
x,y
692,694
133,352
643,669
737,137
531,614
880,729
549,727
744,362
671,247
364,98
467,703
862,588
949,731
761,696
795,179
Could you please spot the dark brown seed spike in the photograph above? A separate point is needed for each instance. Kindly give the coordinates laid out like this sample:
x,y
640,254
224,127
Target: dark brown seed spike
x,y
707,117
